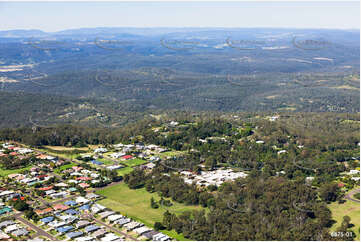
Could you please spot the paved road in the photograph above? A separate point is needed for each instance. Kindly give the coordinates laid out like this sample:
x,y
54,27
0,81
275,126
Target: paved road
x,y
349,196
39,231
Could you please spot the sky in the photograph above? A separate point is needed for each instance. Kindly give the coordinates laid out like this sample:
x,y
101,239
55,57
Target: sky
x,y
55,16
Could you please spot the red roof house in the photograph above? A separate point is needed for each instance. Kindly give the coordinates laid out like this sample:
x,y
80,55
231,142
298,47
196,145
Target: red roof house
x,y
127,157
83,178
46,188
60,206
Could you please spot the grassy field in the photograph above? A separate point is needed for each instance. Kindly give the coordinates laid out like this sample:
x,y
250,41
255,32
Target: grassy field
x,y
349,208
4,172
134,162
125,170
136,204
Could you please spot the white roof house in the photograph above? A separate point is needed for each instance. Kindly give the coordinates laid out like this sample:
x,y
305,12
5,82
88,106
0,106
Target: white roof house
x,y
96,208
82,200
101,150
114,217
110,237
85,238
133,225
142,230
11,228
281,152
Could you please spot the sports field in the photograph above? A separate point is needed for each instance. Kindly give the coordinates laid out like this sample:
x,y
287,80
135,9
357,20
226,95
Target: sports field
x,y
136,204
134,162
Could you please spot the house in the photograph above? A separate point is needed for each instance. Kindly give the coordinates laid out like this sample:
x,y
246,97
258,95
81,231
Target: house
x,y
82,200
72,189
44,211
85,238
148,166
61,184
11,228
142,230
84,185
100,150
281,152
56,224
4,236
122,221
106,214
99,233
91,228
6,223
76,174
259,142
60,206
70,203
114,217
5,210
114,167
68,218
154,158
160,237
64,229
82,223
84,207
96,162
46,188
6,193
20,232
110,237
133,225
71,211
73,181
47,219
353,172
120,145
309,179
77,168
92,196
96,208
149,235
127,157
83,178
58,195
49,192
73,235
117,155
94,175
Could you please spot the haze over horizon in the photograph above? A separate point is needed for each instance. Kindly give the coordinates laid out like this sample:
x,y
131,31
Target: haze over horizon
x,y
57,16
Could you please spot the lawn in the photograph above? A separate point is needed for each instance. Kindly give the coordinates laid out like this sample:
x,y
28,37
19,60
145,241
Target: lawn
x,y
105,161
135,162
170,153
125,170
5,172
350,208
64,167
136,204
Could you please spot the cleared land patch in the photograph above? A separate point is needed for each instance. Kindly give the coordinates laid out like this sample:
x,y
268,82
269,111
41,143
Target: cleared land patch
x,y
136,204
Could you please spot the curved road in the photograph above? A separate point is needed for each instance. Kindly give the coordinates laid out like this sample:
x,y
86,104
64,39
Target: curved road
x,y
349,196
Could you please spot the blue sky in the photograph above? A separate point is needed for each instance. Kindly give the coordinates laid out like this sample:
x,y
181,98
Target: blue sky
x,y
55,16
